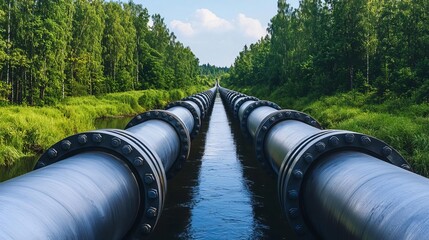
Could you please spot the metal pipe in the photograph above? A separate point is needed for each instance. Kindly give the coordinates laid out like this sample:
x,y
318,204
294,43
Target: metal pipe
x,y
161,138
337,184
185,115
357,196
91,195
103,184
195,106
282,138
256,117
242,108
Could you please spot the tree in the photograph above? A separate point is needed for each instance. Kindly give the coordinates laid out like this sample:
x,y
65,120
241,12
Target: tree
x,y
85,69
52,40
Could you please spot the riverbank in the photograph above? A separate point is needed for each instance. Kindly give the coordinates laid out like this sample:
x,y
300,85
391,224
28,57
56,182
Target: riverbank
x,y
399,122
27,131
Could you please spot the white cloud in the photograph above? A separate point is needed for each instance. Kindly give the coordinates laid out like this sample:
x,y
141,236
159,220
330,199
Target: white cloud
x,y
251,27
208,20
214,39
183,28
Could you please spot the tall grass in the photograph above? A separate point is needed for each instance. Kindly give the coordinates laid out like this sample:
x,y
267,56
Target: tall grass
x,y
399,122
403,125
26,131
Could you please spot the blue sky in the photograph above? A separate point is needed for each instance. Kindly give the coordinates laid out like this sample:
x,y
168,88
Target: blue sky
x,y
216,30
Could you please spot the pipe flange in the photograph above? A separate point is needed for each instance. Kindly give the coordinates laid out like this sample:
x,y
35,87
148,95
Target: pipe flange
x,y
199,104
179,127
271,120
296,164
145,165
240,102
233,99
197,120
249,109
203,101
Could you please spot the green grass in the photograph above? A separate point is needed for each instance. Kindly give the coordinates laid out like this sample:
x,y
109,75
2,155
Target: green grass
x,y
403,126
27,131
399,122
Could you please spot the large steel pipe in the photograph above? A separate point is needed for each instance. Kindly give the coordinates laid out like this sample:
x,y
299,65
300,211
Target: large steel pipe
x,y
91,195
102,184
335,184
357,196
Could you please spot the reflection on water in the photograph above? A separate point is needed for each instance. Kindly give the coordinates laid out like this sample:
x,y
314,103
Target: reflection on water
x,y
222,192
222,201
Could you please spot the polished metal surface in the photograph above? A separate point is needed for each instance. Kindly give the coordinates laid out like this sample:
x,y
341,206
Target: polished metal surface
x,y
103,184
243,107
357,196
197,109
256,117
161,138
283,137
335,184
185,115
91,195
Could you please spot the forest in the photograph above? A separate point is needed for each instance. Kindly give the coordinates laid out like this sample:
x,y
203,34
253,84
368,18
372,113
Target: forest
x,y
329,46
53,49
360,65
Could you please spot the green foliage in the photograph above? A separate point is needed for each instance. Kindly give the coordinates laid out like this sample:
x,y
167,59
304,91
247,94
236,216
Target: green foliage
x,y
211,70
325,47
405,126
28,130
372,56
50,50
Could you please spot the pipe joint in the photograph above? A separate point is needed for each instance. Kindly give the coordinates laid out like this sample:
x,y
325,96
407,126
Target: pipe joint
x,y
144,163
179,127
249,109
199,103
298,162
197,121
240,102
271,120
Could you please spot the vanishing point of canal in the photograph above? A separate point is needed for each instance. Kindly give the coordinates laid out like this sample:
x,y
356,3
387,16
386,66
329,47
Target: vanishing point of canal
x,y
222,192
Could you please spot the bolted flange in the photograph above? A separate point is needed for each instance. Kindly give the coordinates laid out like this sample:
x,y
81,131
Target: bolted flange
x,y
240,102
271,120
199,103
179,127
249,109
189,107
293,170
140,159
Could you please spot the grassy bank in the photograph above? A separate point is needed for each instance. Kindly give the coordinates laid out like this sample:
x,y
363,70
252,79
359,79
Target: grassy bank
x,y
26,131
399,122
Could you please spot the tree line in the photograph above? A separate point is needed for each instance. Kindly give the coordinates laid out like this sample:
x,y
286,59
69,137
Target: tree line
x,y
326,46
52,49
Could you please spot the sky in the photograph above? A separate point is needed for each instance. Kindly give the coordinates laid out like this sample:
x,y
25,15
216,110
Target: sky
x,y
216,30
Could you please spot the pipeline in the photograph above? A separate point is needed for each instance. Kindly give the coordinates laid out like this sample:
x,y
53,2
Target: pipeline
x,y
333,184
104,184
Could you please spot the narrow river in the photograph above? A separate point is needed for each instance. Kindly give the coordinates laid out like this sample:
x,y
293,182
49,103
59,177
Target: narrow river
x,y
222,192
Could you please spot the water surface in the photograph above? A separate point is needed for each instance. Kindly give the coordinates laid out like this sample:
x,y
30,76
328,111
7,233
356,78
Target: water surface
x,y
222,192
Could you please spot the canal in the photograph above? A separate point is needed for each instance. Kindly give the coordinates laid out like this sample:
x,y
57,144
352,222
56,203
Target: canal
x,y
222,192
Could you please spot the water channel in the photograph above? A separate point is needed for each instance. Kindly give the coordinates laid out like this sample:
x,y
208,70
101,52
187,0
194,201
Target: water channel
x,y
222,192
